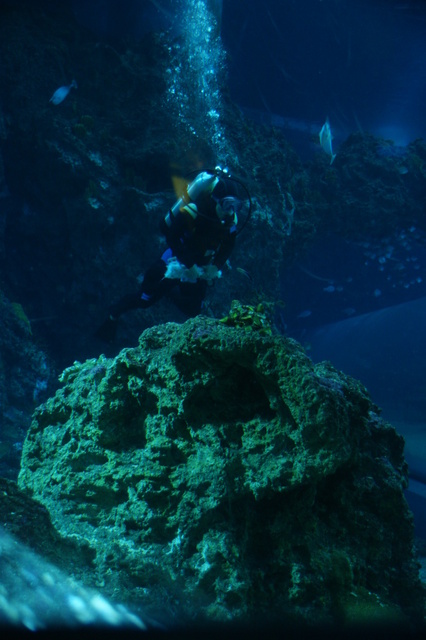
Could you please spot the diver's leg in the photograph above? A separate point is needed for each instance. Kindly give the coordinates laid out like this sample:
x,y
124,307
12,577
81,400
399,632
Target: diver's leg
x,y
189,297
154,286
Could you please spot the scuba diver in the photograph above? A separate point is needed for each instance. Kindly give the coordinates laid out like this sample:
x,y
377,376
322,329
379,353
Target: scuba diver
x,y
200,230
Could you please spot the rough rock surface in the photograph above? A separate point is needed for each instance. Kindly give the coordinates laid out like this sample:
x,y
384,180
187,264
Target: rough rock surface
x,y
25,377
218,472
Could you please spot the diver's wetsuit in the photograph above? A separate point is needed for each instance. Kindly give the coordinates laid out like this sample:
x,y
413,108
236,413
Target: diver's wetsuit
x,y
188,298
195,237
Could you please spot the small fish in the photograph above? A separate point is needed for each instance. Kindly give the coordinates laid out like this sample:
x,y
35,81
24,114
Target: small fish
x,y
305,314
325,140
61,93
329,289
244,273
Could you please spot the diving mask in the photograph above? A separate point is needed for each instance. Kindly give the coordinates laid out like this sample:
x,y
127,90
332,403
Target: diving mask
x,y
228,207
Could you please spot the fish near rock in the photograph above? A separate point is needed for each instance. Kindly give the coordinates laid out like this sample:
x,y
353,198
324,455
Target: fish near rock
x,y
61,93
326,140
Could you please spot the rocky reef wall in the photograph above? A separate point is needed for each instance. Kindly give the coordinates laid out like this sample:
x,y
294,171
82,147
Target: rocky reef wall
x,y
85,183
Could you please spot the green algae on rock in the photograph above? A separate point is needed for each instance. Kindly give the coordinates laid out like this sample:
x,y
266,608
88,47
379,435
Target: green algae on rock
x,y
248,317
217,472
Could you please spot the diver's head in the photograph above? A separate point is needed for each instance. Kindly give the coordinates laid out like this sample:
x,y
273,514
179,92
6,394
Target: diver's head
x,y
227,200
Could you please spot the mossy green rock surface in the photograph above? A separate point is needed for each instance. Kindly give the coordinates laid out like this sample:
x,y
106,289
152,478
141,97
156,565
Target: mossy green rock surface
x,y
217,472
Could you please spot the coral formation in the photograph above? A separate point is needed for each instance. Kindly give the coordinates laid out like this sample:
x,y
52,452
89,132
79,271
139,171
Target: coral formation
x,y
217,472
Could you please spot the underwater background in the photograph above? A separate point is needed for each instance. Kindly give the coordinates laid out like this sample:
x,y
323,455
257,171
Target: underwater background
x,y
265,460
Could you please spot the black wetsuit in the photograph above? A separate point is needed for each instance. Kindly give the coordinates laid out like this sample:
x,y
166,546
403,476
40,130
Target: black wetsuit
x,y
194,239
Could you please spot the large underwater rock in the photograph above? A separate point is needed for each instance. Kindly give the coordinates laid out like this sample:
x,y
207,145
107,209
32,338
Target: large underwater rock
x,y
217,472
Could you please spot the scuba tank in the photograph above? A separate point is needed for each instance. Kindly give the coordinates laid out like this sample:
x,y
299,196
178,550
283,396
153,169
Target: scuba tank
x,y
205,181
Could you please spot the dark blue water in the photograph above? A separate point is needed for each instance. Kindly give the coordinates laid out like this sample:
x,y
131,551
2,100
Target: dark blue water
x,y
362,63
